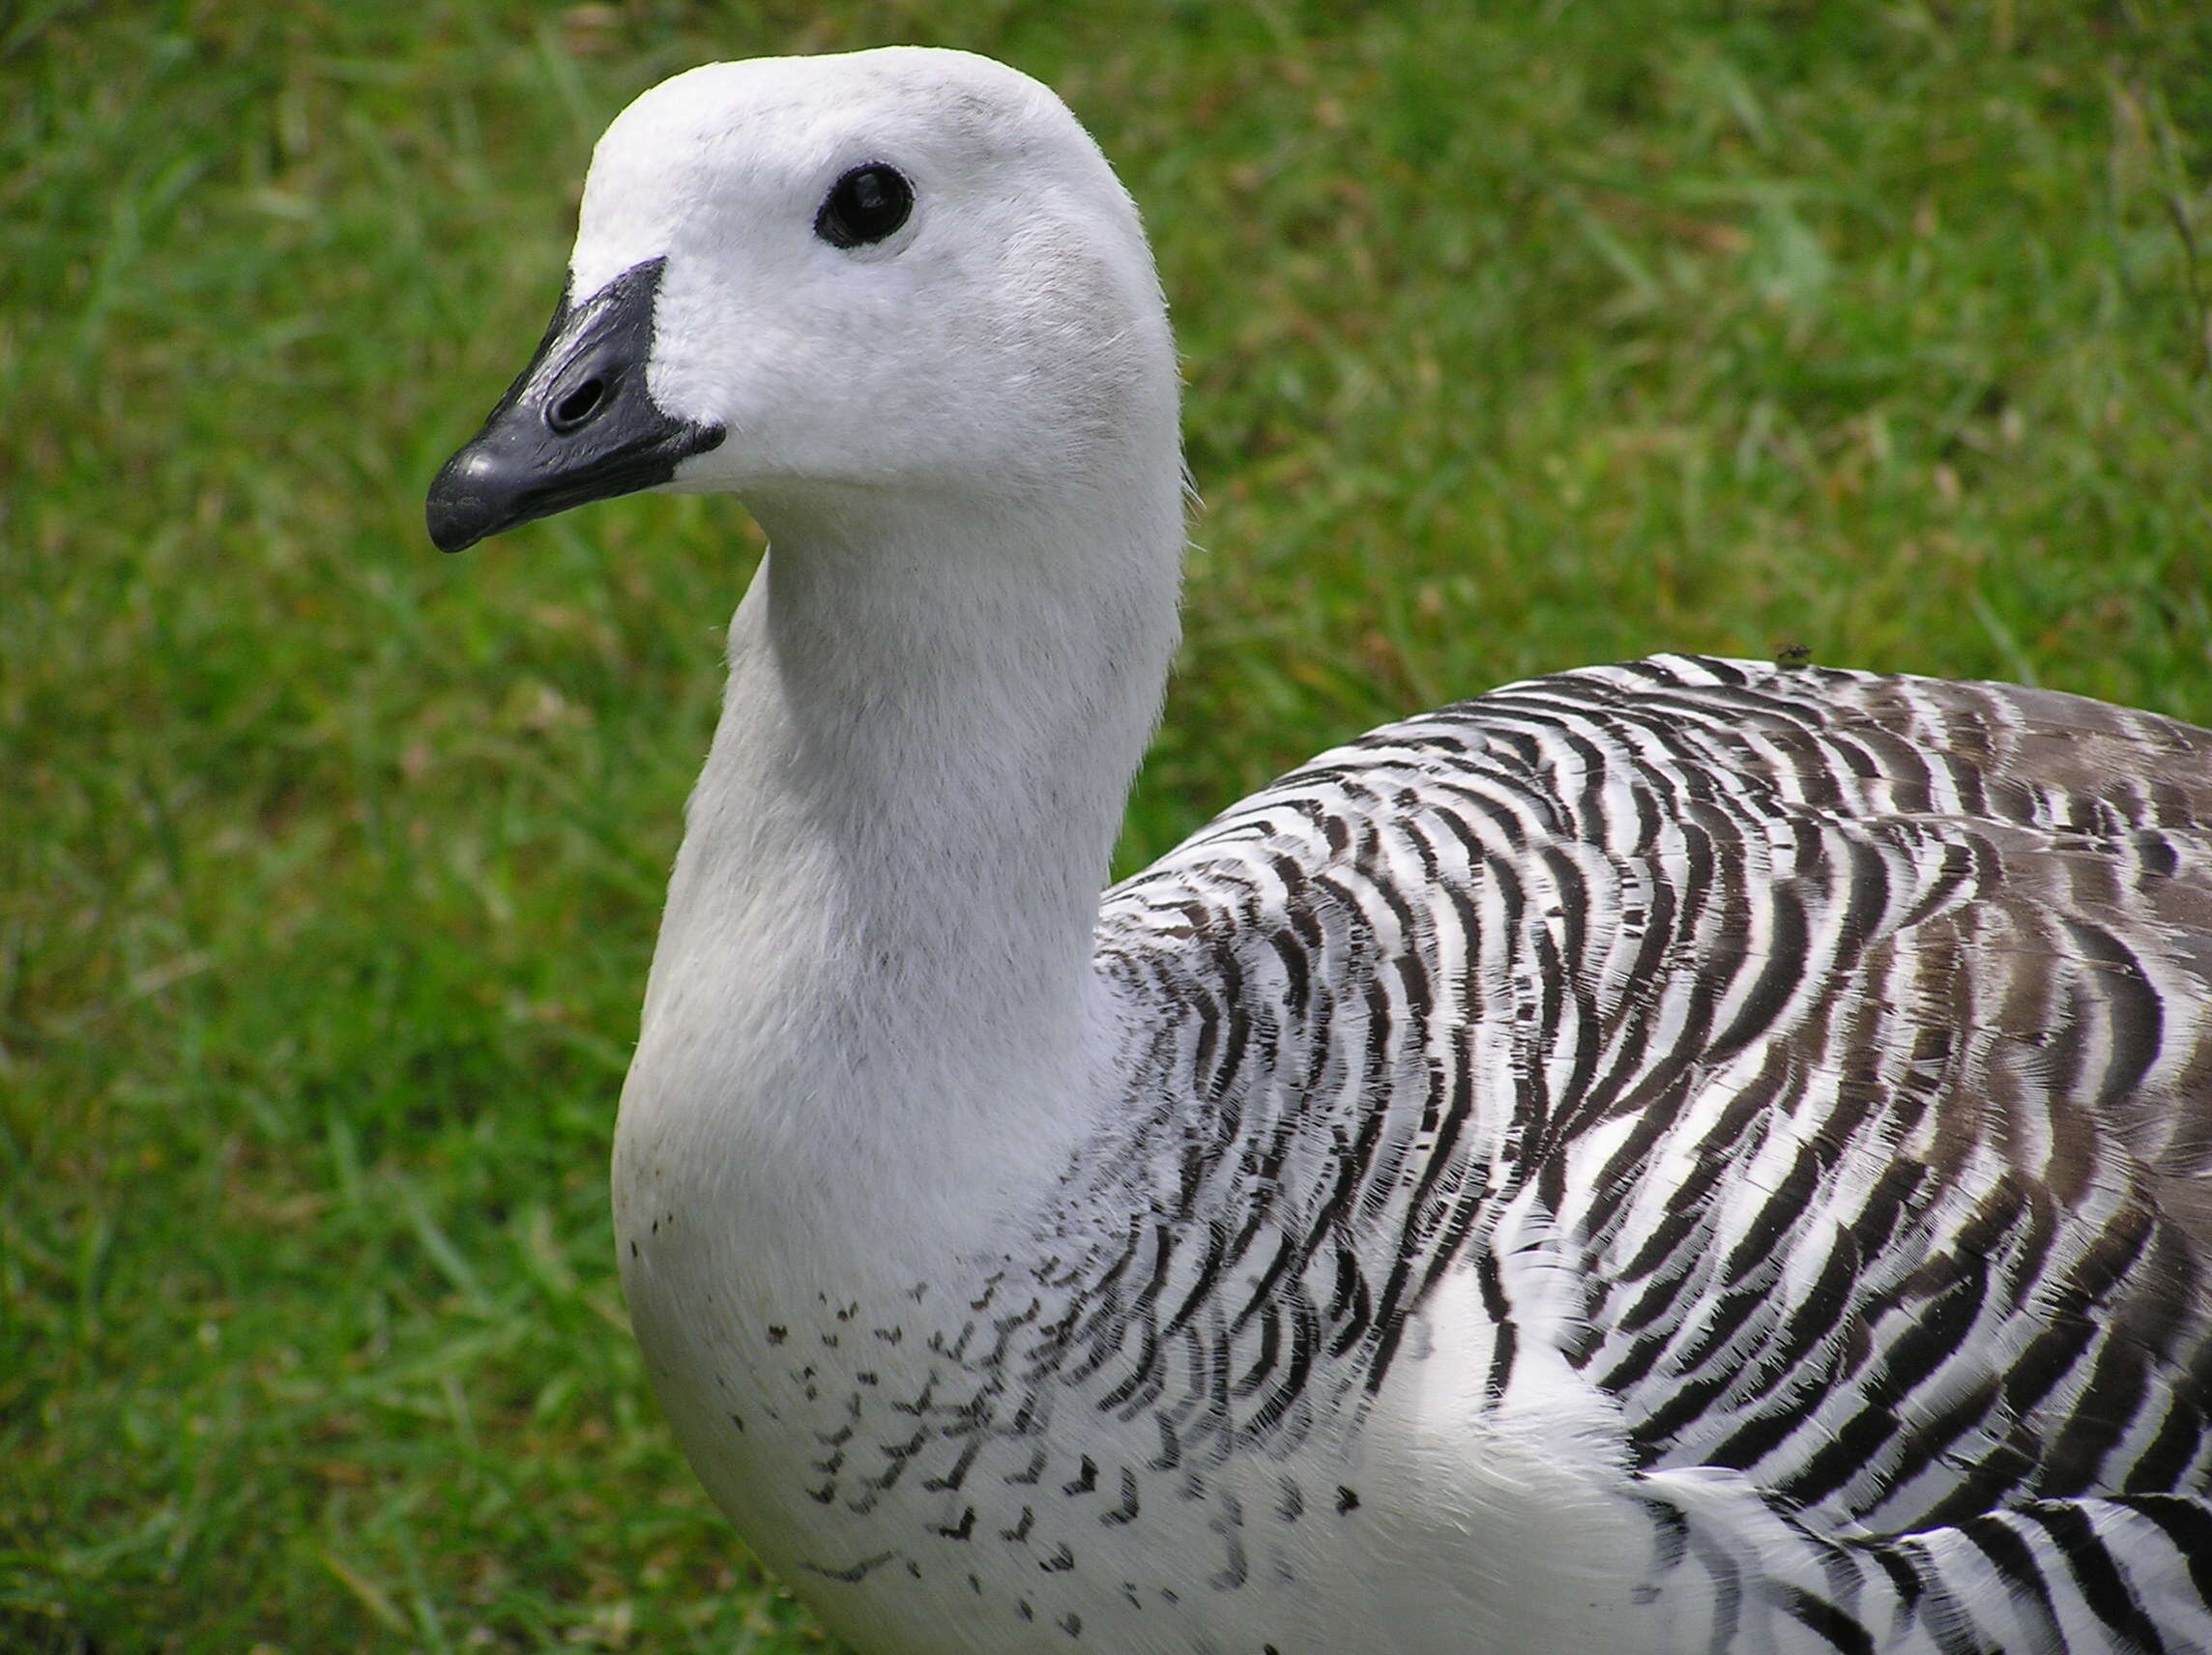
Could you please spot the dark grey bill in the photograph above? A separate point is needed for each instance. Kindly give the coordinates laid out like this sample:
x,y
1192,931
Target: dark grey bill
x,y
577,425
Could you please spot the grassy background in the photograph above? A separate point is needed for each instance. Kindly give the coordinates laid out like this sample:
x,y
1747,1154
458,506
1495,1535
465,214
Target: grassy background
x,y
329,868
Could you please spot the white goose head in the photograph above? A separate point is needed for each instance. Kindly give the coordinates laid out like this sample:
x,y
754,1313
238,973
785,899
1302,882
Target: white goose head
x,y
903,268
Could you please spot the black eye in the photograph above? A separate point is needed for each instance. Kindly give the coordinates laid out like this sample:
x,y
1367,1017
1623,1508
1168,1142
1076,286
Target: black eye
x,y
864,206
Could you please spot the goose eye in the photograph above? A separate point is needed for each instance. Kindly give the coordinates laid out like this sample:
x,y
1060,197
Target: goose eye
x,y
864,206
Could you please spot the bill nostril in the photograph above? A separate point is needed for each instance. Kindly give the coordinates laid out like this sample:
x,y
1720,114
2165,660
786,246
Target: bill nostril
x,y
578,406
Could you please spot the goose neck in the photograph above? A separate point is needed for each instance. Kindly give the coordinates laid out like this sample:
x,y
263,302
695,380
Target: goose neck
x,y
875,970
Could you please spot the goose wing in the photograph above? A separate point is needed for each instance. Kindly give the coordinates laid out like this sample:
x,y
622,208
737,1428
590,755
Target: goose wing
x,y
1815,1066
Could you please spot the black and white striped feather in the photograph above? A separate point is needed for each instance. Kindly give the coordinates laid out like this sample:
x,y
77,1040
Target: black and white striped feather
x,y
1815,1066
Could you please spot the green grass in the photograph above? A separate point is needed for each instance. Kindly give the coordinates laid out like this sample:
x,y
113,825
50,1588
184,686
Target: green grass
x,y
329,868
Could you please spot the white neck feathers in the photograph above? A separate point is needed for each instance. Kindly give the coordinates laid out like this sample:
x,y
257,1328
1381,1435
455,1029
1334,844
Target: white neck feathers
x,y
873,1002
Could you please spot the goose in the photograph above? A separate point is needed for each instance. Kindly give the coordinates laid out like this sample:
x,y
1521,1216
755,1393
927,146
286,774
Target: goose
x,y
1691,1155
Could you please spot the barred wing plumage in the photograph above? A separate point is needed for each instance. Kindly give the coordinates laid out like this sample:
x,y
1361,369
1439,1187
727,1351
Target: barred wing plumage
x,y
1813,1068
